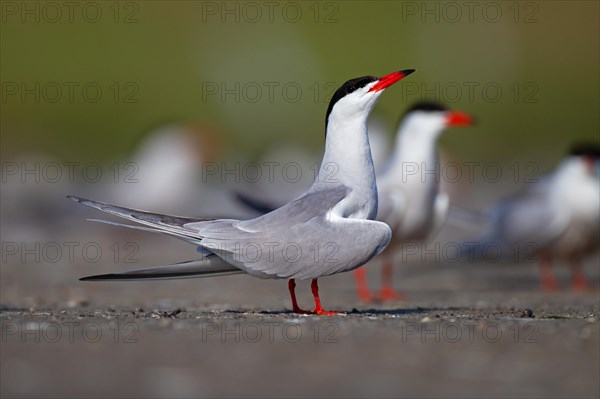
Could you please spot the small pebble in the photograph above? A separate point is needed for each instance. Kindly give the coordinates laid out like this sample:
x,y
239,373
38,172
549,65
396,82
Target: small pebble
x,y
527,313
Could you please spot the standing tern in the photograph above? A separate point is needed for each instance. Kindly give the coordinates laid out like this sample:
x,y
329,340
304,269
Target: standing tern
x,y
555,219
410,199
327,230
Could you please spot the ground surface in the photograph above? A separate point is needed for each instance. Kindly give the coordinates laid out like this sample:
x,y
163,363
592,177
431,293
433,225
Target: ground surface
x,y
466,331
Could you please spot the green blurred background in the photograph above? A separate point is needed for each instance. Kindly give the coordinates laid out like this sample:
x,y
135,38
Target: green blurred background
x,y
543,55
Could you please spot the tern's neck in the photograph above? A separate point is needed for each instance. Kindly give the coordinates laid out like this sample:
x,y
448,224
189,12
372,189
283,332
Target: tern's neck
x,y
572,172
347,161
415,154
576,187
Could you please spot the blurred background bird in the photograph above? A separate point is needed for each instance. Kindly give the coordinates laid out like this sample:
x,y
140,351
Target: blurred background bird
x,y
556,219
409,197
166,172
165,167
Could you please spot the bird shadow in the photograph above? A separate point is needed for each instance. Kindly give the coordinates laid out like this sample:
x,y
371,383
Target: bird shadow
x,y
7,309
354,311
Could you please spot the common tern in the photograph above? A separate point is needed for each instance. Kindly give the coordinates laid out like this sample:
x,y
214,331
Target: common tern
x,y
556,218
328,230
410,199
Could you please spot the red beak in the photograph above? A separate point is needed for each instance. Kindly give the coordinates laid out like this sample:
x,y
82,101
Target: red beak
x,y
388,80
457,118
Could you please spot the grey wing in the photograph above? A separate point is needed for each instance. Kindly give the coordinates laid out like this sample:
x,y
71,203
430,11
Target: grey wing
x,y
300,240
315,248
343,245
300,210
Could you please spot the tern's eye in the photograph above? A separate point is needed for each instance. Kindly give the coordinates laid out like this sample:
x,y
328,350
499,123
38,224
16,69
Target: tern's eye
x,y
351,89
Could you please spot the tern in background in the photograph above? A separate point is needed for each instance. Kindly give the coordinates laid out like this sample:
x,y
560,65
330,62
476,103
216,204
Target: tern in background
x,y
327,230
555,219
410,199
165,168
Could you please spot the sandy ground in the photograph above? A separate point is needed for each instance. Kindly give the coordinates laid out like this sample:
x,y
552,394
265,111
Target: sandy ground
x,y
467,330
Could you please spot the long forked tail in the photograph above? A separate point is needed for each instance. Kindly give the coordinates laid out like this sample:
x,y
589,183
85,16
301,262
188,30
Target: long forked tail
x,y
173,225
208,266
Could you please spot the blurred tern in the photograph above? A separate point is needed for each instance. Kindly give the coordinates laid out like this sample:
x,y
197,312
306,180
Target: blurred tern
x,y
555,219
166,166
327,230
412,203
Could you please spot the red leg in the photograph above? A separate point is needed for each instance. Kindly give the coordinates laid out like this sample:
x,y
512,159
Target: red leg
x,y
362,288
295,307
578,280
549,283
387,293
318,308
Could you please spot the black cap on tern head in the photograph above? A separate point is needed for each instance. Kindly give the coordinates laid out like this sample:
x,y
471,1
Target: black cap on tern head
x,y
350,86
453,118
427,106
353,84
585,149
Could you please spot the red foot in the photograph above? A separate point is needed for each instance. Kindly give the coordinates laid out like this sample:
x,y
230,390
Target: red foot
x,y
325,312
320,312
318,308
547,279
362,289
315,290
579,283
549,285
388,294
365,295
